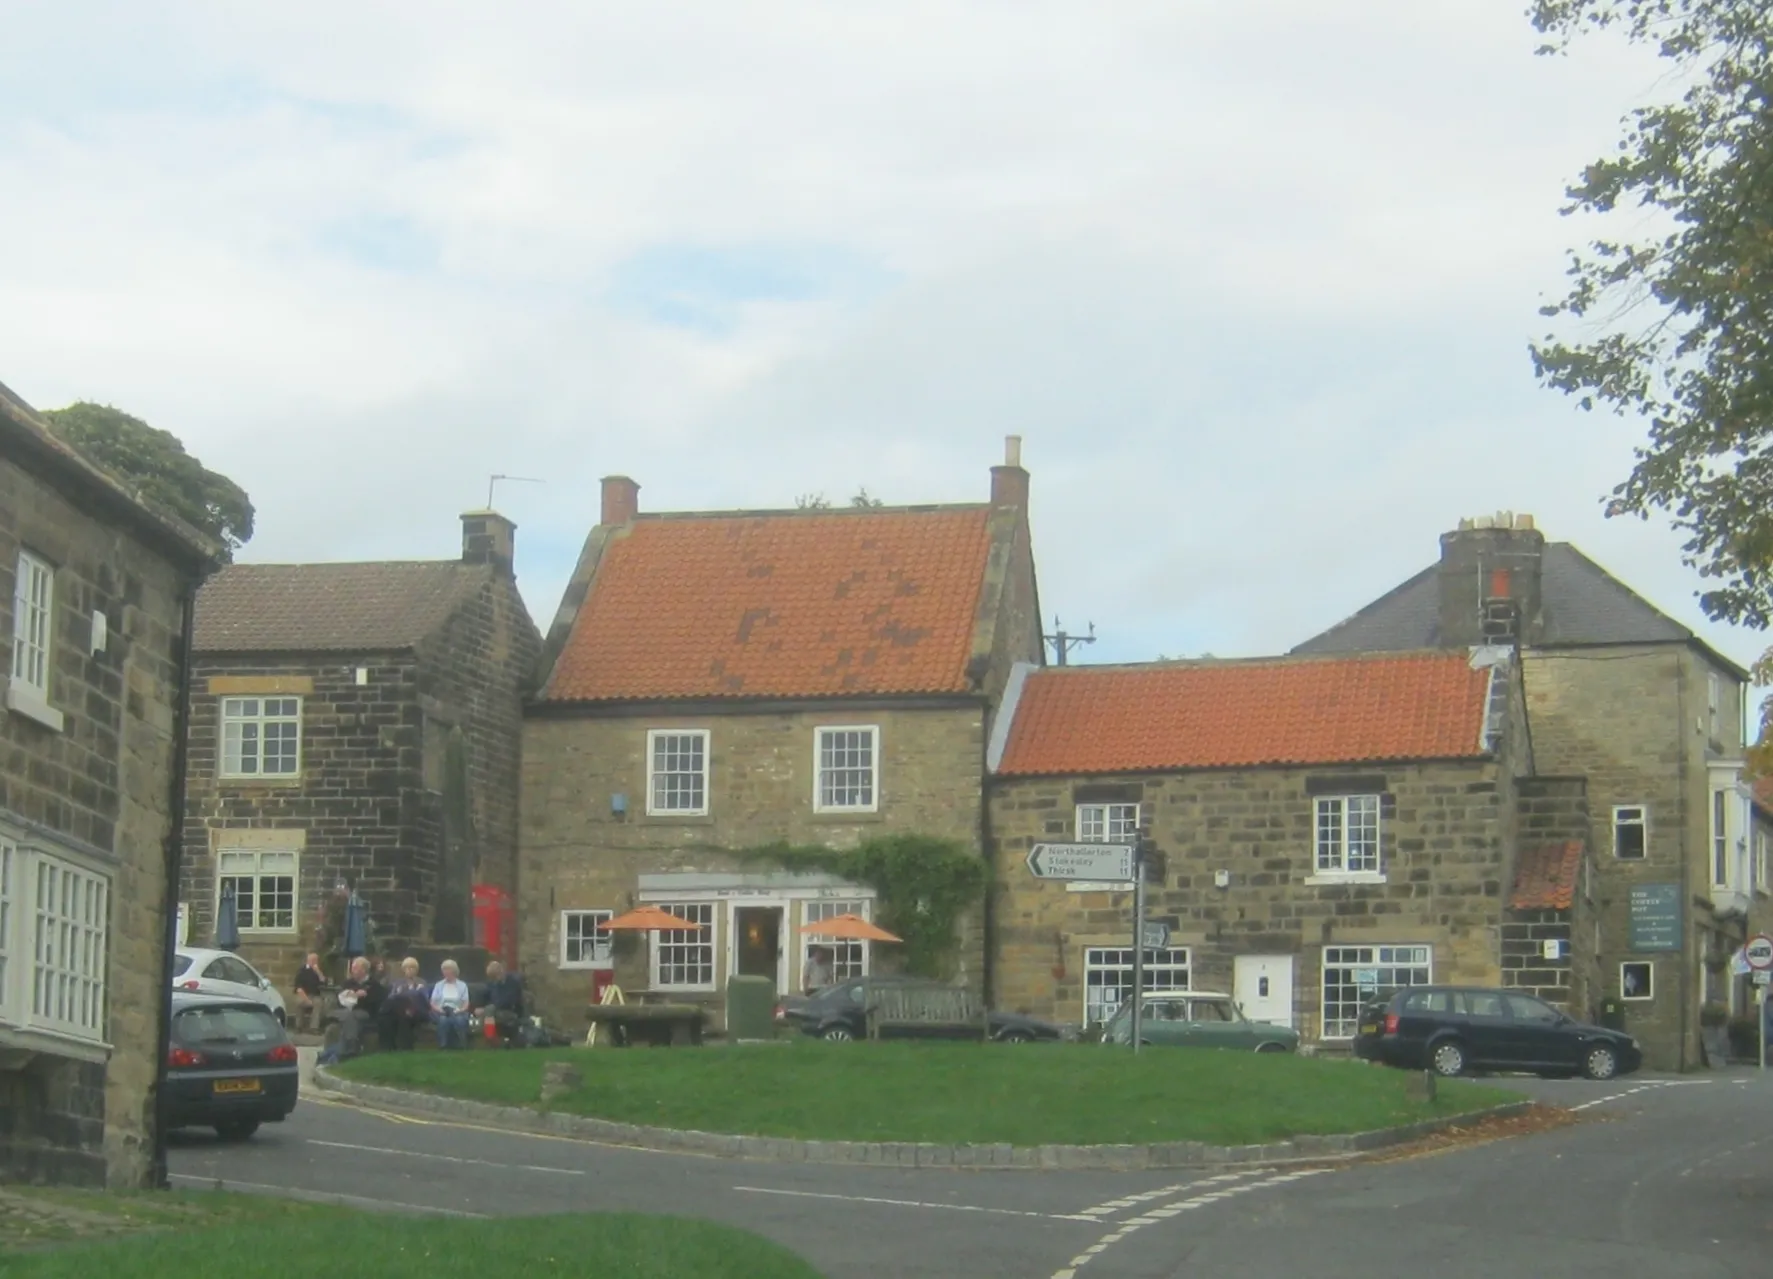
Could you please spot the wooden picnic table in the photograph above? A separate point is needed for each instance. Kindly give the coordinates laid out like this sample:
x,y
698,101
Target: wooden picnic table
x,y
662,1025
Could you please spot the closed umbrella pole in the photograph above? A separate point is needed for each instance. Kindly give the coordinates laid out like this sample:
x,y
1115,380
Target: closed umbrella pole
x,y
227,920
356,930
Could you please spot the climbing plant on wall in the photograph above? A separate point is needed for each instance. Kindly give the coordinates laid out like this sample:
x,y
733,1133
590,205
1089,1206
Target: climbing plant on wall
x,y
924,886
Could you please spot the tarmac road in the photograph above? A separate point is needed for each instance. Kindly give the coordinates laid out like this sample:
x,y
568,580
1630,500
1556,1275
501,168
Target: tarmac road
x,y
1664,1177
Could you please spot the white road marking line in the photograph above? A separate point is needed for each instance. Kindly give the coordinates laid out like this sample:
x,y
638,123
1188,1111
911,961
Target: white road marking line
x,y
914,1203
1156,1215
317,1196
1632,1092
446,1159
1164,1192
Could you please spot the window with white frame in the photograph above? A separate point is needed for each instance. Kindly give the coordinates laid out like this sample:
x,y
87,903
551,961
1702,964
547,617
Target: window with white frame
x,y
33,625
677,772
1720,837
584,938
1355,974
70,924
1347,834
1107,823
1637,979
261,736
1631,833
684,958
1108,976
848,767
849,955
264,884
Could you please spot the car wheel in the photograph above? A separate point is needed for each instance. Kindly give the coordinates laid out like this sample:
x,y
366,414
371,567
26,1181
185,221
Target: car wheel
x,y
1015,1037
1271,1048
237,1129
837,1035
1447,1058
1600,1062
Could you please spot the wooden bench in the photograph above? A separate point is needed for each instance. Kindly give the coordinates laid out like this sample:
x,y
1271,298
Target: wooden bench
x,y
927,1011
661,1025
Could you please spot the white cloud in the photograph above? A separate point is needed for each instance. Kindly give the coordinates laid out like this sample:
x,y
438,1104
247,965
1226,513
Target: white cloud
x,y
1254,282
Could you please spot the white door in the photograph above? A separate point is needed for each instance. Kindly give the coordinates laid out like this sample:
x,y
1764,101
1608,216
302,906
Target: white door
x,y
1263,984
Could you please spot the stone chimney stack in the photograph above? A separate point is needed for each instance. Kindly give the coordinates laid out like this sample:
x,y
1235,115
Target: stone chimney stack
x,y
621,500
1009,482
489,538
1491,582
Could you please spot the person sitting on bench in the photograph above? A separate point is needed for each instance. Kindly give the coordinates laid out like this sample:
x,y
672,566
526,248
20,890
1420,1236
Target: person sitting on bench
x,y
504,1000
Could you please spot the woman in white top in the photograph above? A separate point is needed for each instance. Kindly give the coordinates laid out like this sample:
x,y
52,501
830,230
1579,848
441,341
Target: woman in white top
x,y
449,1007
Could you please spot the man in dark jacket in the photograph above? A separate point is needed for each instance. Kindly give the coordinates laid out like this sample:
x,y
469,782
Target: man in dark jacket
x,y
504,1000
310,1003
360,999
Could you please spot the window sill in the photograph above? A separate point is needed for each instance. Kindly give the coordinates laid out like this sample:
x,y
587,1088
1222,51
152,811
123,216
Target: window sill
x,y
1345,877
249,782
30,1039
679,819
22,699
603,966
848,815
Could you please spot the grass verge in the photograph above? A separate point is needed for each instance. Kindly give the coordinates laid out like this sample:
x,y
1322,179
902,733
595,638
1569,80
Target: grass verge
x,y
1062,1094
351,1243
36,1215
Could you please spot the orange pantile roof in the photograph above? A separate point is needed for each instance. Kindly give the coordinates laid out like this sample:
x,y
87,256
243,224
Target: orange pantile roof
x,y
1546,877
780,604
1219,714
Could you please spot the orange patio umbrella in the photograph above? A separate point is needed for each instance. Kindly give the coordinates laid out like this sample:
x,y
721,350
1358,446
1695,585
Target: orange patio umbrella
x,y
650,919
848,928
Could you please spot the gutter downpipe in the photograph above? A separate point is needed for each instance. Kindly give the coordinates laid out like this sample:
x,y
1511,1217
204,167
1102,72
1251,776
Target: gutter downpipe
x,y
175,841
1687,922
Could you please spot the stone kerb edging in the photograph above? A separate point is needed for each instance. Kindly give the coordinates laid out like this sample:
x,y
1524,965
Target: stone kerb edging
x,y
905,1154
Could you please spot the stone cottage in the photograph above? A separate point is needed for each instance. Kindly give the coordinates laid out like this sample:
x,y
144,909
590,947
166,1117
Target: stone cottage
x,y
1654,719
357,724
96,605
1315,829
719,681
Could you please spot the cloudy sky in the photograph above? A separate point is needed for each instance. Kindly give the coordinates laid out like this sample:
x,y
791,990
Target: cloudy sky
x,y
1253,282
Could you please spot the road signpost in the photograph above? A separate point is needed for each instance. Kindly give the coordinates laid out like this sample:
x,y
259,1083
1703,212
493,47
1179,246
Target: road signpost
x,y
1082,861
1115,863
1759,954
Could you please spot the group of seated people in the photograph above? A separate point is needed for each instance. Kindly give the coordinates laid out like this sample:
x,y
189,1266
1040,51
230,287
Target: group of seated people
x,y
398,1007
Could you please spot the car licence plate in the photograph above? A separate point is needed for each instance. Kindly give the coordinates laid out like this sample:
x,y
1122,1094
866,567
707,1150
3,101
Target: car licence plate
x,y
1369,1028
238,1086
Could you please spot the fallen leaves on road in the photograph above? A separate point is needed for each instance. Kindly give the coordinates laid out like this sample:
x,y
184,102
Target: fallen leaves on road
x,y
1536,1119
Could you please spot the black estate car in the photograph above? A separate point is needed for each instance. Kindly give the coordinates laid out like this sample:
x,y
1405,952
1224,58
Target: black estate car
x,y
230,1066
839,1013
1455,1029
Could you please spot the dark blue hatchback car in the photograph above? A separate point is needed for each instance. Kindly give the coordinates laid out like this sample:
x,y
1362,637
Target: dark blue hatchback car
x,y
1454,1029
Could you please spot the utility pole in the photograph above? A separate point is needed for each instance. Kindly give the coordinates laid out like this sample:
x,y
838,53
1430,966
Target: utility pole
x,y
1063,643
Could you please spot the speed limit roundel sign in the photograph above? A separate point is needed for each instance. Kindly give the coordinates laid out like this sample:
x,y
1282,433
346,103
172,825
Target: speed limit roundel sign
x,y
1759,952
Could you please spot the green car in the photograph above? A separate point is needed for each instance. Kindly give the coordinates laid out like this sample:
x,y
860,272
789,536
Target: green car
x,y
1198,1019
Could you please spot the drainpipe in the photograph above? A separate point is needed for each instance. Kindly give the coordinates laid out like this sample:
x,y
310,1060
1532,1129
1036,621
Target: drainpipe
x,y
1684,987
175,840
988,919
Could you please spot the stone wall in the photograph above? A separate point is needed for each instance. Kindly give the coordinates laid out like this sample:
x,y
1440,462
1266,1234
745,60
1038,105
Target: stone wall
x,y
97,792
1632,721
1444,838
578,854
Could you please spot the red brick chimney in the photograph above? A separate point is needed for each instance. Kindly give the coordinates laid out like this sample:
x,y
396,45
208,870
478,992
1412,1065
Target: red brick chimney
x,y
621,500
1009,482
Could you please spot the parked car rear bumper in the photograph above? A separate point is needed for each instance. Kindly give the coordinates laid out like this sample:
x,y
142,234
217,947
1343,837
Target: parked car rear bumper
x,y
193,1101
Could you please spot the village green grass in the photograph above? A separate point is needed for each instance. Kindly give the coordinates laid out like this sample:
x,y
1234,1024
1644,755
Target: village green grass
x,y
1025,1095
343,1242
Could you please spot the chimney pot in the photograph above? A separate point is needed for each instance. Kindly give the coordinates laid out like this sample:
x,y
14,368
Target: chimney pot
x,y
621,500
1012,450
489,538
1524,522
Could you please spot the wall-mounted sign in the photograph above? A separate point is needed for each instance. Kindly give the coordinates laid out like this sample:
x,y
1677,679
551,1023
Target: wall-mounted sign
x,y
1654,922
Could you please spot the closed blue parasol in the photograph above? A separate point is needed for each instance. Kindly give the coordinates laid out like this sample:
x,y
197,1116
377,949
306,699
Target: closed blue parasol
x,y
227,920
356,925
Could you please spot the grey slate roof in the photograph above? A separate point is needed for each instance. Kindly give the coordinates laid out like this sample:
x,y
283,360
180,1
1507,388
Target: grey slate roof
x,y
306,608
1581,603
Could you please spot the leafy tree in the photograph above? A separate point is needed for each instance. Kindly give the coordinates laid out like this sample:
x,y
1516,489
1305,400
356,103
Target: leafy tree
x,y
157,465
1676,321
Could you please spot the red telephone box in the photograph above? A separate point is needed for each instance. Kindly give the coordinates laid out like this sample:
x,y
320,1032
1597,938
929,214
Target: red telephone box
x,y
495,923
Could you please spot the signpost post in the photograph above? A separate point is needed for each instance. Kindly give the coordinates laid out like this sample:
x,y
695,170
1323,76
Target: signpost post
x,y
1138,949
1759,953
